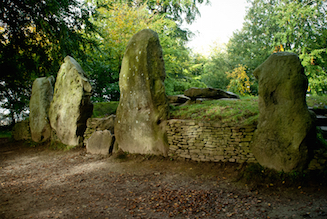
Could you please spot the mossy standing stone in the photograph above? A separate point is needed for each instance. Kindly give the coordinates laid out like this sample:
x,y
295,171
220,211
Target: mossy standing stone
x,y
42,93
143,106
285,126
71,105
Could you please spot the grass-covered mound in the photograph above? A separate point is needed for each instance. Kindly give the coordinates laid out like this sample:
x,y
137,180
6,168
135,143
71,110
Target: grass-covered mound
x,y
104,109
242,112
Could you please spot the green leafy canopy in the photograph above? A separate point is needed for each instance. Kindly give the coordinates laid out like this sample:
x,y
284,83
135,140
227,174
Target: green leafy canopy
x,y
35,37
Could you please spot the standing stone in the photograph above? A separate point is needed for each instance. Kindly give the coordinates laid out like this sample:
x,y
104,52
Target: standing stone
x,y
71,105
42,92
285,123
143,106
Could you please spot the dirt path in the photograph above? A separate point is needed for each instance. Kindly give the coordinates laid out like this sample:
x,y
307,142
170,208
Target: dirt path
x,y
41,183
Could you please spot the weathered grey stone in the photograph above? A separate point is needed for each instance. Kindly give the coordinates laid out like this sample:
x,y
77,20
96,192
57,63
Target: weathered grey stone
x,y
99,124
42,92
100,142
21,131
281,139
211,93
71,105
143,106
177,100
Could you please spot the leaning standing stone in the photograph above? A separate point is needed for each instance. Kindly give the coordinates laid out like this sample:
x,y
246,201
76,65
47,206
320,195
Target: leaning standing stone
x,y
42,92
143,105
71,105
281,140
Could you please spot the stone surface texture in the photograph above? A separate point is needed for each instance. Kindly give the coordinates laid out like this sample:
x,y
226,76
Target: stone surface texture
x,y
177,100
42,93
212,93
285,124
99,124
100,142
21,131
71,105
143,105
209,141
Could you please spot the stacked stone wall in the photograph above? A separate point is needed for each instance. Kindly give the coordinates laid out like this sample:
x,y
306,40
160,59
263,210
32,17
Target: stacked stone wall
x,y
209,141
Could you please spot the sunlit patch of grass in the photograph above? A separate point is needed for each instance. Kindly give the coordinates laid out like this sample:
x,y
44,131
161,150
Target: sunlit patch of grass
x,y
244,111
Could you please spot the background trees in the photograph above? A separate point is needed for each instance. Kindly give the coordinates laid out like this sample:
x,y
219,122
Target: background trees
x,y
118,21
35,37
303,27
215,68
283,25
176,10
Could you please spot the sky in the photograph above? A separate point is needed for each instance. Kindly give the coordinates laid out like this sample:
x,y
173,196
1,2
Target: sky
x,y
217,23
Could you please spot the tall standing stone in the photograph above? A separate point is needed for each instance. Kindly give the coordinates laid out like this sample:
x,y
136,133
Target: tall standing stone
x,y
285,123
42,92
71,105
143,105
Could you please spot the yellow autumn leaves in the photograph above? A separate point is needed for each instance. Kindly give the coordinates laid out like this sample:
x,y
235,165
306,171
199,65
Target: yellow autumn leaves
x,y
239,80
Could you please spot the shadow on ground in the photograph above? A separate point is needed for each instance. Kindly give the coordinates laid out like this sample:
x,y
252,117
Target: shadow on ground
x,y
42,183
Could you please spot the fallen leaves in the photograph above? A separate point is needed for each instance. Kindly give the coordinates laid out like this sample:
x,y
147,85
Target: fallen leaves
x,y
191,202
47,188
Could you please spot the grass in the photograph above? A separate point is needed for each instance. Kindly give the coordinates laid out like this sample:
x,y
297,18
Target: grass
x,y
58,146
5,134
243,112
104,109
317,102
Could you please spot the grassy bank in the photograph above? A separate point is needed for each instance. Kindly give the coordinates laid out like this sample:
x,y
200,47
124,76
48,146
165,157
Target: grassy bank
x,y
243,111
104,109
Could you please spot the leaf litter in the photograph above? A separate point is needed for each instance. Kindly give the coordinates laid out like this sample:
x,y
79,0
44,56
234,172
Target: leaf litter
x,y
42,183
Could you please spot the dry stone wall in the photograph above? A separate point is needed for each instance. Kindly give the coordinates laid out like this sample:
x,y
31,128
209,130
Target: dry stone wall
x,y
209,141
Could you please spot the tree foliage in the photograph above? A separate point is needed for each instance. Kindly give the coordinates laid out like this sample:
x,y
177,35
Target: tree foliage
x,y
284,25
214,73
304,31
176,10
239,81
35,37
117,23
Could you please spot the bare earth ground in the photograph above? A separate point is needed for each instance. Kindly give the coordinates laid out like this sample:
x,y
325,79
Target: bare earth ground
x,y
42,183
